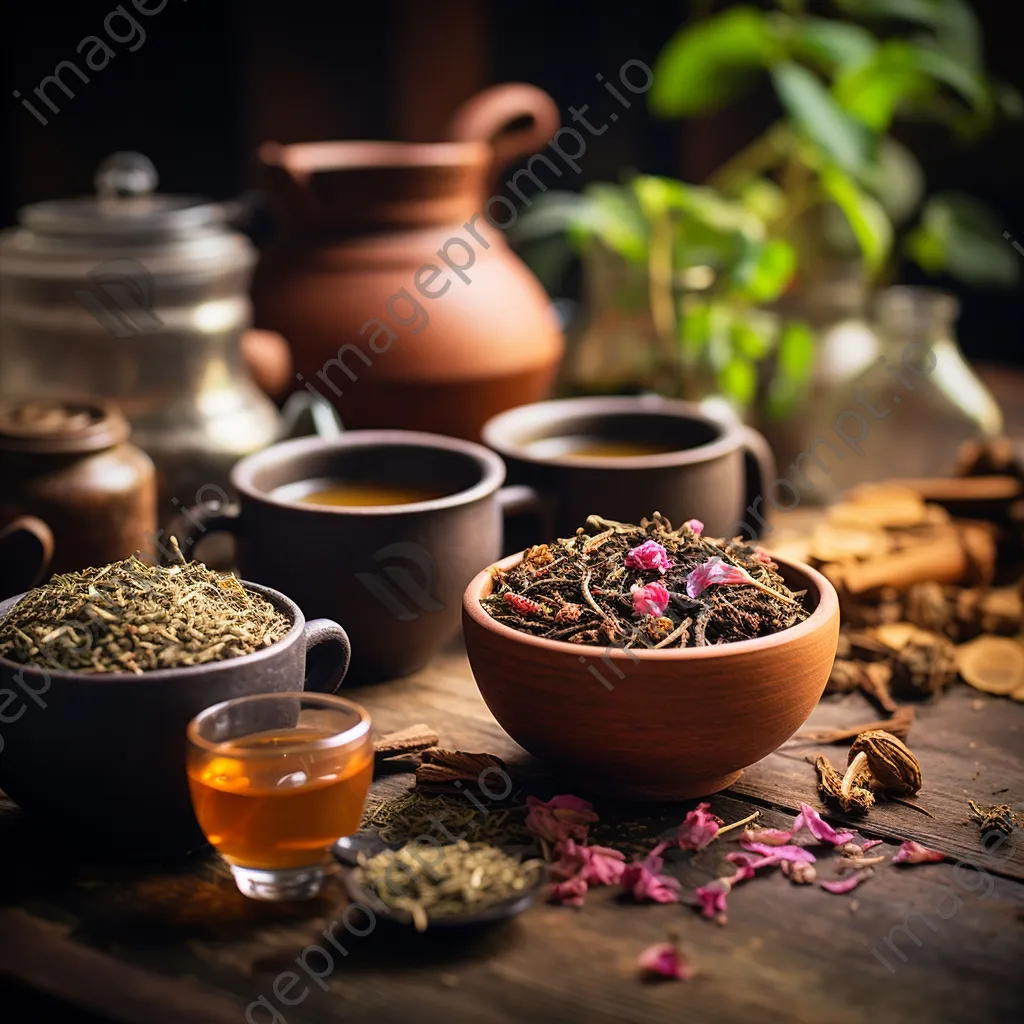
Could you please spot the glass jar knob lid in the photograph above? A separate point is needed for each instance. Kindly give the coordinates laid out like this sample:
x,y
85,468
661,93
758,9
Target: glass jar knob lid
x,y
125,174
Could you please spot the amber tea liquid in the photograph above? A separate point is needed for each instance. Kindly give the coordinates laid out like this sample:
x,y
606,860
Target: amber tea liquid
x,y
285,811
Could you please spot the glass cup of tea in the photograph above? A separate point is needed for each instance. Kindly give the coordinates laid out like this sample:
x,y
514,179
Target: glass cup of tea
x,y
276,779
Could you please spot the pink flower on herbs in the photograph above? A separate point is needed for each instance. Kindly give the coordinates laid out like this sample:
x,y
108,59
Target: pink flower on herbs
x,y
649,555
914,853
663,960
651,599
562,817
714,570
810,819
695,525
572,891
698,829
643,880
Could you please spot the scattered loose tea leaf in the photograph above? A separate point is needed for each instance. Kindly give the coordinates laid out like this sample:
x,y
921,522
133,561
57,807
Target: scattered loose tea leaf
x,y
465,879
447,818
1000,816
132,617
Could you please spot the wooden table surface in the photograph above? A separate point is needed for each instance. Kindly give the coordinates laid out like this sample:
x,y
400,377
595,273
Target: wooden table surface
x,y
928,943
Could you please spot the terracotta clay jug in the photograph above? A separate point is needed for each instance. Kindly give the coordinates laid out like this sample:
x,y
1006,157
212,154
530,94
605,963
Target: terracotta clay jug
x,y
403,304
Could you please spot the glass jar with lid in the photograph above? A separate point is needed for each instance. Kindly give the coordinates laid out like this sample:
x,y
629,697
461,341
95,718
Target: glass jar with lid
x,y
143,298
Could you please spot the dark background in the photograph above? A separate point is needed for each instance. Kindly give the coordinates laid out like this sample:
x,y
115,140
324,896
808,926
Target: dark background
x,y
216,77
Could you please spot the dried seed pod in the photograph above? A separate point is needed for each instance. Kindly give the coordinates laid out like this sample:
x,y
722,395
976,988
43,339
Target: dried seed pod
x,y
927,607
799,872
923,668
894,768
855,798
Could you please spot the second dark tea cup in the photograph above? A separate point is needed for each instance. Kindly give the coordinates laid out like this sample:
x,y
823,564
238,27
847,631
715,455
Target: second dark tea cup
x,y
646,454
394,574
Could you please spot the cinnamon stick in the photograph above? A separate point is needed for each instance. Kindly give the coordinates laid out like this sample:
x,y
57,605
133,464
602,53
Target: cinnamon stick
x,y
942,560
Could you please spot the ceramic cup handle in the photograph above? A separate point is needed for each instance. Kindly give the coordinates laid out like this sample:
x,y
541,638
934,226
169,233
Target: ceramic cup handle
x,y
197,523
26,548
328,652
490,115
761,475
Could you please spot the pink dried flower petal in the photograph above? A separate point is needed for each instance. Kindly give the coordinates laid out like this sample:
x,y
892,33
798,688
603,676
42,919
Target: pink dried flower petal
x,y
562,817
663,960
604,865
800,853
768,836
748,864
871,843
524,605
695,525
698,829
714,570
712,898
763,557
810,819
649,555
572,891
914,853
844,885
572,859
651,599
643,880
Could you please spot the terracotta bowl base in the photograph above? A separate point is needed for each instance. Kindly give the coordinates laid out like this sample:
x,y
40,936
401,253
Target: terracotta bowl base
x,y
662,791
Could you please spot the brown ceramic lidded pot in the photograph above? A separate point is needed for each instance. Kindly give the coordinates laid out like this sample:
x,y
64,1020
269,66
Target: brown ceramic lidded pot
x,y
403,304
68,467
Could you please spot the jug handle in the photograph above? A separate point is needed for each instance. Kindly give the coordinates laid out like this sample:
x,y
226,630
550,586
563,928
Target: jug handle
x,y
490,115
26,549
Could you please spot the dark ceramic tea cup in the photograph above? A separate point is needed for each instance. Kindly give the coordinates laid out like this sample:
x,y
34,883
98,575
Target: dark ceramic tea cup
x,y
394,574
626,457
100,759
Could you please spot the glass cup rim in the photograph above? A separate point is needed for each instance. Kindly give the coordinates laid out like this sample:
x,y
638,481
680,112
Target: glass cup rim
x,y
329,700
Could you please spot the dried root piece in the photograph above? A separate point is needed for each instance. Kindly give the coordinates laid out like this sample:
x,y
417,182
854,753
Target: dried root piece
x,y
992,664
443,768
923,668
831,543
899,725
927,607
405,741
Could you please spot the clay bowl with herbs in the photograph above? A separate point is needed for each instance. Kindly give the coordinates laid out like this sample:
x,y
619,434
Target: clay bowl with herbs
x,y
95,751
663,702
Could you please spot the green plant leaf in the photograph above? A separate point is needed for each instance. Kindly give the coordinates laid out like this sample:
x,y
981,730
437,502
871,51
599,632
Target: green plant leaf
x,y
612,214
763,198
830,44
754,333
896,180
820,119
865,215
950,71
737,380
705,65
872,92
961,236
954,22
768,268
794,364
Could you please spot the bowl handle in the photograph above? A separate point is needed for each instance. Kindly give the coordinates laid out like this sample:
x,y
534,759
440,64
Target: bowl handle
x,y
328,652
190,527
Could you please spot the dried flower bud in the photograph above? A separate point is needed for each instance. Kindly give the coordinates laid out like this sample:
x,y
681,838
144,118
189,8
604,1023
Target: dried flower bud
x,y
539,555
799,872
524,605
569,612
893,767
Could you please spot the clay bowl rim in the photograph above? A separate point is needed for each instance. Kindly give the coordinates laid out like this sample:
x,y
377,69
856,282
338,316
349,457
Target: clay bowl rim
x,y
492,471
497,431
828,605
332,155
282,602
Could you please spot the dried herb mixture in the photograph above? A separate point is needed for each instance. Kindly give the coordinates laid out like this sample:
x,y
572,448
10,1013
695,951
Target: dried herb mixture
x,y
132,617
648,586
